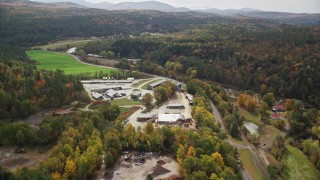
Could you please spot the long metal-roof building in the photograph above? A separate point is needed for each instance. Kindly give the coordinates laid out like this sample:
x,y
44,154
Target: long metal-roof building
x,y
156,84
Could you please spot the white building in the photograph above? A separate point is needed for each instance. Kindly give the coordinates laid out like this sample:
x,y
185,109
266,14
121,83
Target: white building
x,y
97,96
251,128
111,93
190,98
72,50
169,118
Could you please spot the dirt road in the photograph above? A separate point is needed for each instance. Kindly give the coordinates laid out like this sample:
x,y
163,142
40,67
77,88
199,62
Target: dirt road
x,y
252,149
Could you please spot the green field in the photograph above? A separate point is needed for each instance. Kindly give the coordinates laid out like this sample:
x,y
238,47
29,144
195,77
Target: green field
x,y
248,163
298,167
255,118
52,61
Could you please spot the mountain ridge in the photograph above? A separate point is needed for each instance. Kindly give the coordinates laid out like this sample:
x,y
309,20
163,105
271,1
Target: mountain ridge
x,y
282,17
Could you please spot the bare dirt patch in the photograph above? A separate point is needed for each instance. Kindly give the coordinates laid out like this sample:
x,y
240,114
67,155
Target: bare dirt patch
x,y
137,170
102,61
32,157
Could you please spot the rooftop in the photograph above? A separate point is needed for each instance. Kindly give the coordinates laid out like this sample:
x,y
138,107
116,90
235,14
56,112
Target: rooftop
x,y
252,128
275,116
158,82
175,105
136,93
190,97
278,107
95,81
146,116
97,95
170,118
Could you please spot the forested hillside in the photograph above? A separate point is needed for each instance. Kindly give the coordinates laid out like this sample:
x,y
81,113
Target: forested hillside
x,y
30,26
25,90
260,56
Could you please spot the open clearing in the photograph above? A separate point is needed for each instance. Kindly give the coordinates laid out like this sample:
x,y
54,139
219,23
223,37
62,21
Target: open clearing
x,y
138,171
125,102
52,61
249,165
32,157
298,167
255,118
64,43
268,136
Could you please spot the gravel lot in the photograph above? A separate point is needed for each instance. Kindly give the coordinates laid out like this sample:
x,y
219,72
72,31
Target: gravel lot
x,y
138,171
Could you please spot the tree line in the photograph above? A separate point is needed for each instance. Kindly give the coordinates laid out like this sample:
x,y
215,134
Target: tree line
x,y
263,57
31,26
25,90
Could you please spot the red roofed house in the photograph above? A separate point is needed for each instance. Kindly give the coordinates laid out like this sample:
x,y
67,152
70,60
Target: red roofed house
x,y
275,116
278,107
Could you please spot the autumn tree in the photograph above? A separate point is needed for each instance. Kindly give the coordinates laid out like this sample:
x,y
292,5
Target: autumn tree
x,y
69,169
269,99
278,147
147,100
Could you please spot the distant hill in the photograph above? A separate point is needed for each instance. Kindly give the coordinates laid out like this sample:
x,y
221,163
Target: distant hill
x,y
80,2
147,5
282,17
144,5
41,4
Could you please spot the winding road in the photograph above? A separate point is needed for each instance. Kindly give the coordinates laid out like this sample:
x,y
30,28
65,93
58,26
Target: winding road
x,y
217,115
251,149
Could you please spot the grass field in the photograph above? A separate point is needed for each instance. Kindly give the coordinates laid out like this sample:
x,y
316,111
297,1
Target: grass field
x,y
298,167
52,61
255,118
269,134
125,102
248,163
146,85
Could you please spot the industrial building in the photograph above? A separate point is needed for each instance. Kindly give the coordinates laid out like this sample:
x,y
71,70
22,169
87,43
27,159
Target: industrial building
x,y
97,96
251,128
136,95
106,81
146,117
170,118
156,84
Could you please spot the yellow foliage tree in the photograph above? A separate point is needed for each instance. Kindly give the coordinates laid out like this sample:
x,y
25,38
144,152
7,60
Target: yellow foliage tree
x,y
56,176
191,151
69,168
218,159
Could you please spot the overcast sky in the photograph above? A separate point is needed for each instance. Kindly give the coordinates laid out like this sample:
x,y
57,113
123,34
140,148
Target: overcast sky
x,y
300,6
